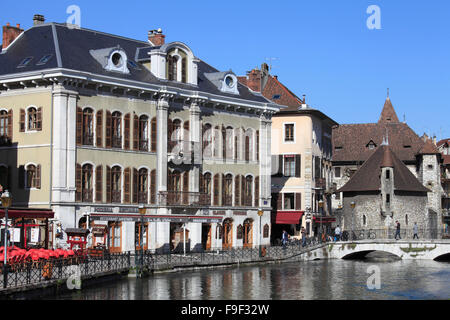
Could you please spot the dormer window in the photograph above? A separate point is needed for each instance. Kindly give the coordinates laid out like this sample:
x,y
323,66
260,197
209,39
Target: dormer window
x,y
177,66
371,145
118,62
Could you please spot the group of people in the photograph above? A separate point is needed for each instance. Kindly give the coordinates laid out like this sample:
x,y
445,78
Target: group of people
x,y
338,234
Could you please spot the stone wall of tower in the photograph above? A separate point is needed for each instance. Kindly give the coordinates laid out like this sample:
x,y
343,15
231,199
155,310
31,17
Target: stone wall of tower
x,y
429,175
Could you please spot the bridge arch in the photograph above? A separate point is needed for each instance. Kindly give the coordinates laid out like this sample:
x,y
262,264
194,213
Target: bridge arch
x,y
443,257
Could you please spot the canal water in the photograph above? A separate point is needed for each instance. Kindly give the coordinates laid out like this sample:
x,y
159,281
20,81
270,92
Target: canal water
x,y
323,280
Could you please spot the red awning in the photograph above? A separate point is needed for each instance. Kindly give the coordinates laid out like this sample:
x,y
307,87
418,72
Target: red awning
x,y
289,217
27,213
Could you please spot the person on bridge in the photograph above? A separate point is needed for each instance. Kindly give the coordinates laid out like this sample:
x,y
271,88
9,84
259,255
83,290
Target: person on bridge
x,y
284,239
397,232
415,231
337,233
303,236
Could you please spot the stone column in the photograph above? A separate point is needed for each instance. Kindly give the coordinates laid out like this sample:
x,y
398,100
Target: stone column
x,y
196,139
161,150
265,163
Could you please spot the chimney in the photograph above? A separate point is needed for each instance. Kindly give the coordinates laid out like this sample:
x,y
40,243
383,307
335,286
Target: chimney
x,y
254,80
156,37
10,33
38,19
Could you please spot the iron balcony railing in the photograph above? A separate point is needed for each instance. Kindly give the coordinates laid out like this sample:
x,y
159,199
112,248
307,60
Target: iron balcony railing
x,y
227,200
177,198
116,142
142,197
116,196
143,145
391,233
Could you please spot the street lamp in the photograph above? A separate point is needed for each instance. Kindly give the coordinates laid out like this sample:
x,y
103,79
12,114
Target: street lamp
x,y
321,218
6,203
260,214
352,204
142,212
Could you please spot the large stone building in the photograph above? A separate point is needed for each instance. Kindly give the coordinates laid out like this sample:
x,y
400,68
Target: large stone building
x,y
354,144
301,152
96,125
444,147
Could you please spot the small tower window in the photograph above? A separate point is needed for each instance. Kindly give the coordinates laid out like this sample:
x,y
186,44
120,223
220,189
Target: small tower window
x,y
388,199
388,174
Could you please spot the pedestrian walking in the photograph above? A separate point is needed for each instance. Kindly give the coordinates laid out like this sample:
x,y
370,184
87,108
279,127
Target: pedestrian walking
x,y
303,236
337,233
415,231
284,239
397,232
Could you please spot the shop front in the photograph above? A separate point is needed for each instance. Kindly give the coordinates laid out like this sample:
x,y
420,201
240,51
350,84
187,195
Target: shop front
x,y
28,228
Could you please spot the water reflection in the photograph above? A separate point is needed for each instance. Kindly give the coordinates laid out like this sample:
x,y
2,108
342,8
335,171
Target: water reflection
x,y
326,280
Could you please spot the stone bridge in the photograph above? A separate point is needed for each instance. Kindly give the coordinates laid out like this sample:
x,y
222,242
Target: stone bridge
x,y
404,249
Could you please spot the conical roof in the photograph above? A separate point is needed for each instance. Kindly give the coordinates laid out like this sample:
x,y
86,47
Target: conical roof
x,y
388,114
367,178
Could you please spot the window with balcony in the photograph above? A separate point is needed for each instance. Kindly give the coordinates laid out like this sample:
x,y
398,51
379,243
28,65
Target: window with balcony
x,y
205,187
143,186
228,190
88,127
248,189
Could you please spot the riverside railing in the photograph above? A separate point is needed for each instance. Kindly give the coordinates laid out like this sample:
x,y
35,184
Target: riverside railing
x,y
390,234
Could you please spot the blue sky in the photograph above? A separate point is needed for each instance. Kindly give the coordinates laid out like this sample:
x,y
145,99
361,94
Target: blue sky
x,y
323,48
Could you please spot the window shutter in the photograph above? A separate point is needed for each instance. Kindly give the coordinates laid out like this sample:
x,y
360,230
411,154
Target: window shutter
x,y
183,70
153,187
136,132
126,198
201,183
10,124
39,119
237,188
186,181
154,134
22,120
78,178
108,184
79,126
298,165
280,201
21,177
108,129
135,185
216,189
223,190
38,176
247,148
298,201
243,195
224,142
99,129
280,165
257,192
127,119
99,184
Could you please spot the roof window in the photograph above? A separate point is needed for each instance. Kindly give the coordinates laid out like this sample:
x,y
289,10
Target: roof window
x,y
44,59
25,62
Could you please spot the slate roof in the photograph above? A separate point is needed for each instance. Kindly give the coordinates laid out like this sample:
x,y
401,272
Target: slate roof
x,y
71,47
350,141
367,178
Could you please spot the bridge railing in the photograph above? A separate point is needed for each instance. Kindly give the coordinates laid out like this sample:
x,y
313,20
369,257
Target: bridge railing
x,y
391,234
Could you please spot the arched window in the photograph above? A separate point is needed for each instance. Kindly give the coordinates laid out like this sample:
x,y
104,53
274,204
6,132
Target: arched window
x,y
32,119
205,188
154,134
228,190
207,141
116,184
88,127
248,233
33,176
143,133
86,183
248,144
227,234
3,123
116,130
239,232
143,186
172,68
266,230
248,190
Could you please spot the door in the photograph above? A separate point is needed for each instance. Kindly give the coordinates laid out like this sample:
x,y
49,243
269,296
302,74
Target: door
x,y
227,239
206,236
